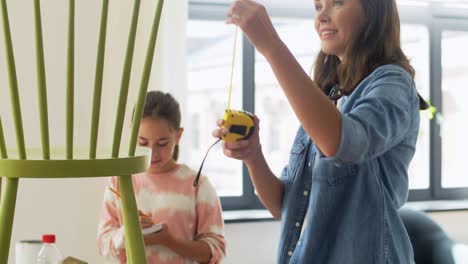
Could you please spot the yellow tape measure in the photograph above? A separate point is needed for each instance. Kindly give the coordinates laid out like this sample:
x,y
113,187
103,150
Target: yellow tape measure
x,y
240,123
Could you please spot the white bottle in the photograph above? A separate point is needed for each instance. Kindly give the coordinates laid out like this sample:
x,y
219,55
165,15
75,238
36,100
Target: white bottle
x,y
49,253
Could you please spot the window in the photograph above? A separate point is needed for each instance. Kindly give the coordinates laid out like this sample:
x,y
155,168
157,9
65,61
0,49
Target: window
x,y
278,121
435,47
415,44
449,126
210,49
453,121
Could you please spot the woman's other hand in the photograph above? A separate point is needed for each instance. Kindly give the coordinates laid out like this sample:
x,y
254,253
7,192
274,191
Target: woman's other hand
x,y
254,21
246,150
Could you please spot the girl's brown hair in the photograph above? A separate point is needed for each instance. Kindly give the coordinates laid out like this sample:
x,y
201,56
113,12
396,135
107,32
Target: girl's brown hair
x,y
378,44
165,106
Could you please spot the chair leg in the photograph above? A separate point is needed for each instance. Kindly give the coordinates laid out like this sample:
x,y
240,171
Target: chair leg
x,y
1,179
133,236
7,213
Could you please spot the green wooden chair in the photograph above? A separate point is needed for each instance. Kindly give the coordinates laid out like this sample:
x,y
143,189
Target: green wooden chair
x,y
31,163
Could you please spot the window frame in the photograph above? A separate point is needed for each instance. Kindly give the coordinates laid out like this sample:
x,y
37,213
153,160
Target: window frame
x,y
435,19
441,23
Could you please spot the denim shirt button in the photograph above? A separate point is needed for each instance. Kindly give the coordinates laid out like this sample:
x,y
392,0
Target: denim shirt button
x,y
290,253
309,164
298,224
339,164
306,193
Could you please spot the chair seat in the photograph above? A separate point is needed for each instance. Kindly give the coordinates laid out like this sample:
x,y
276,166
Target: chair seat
x,y
36,167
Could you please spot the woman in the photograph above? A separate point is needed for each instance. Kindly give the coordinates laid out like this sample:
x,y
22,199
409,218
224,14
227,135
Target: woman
x,y
339,195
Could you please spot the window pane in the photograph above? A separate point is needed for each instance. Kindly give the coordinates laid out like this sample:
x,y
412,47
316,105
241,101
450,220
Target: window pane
x,y
454,125
415,44
210,49
279,124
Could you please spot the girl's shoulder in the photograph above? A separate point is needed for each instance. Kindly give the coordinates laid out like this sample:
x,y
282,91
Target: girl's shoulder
x,y
205,190
184,172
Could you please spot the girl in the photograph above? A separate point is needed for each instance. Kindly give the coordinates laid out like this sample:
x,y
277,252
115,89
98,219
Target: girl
x,y
339,195
193,229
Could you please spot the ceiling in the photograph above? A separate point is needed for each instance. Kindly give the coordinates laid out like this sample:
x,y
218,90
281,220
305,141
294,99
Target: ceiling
x,y
306,7
302,3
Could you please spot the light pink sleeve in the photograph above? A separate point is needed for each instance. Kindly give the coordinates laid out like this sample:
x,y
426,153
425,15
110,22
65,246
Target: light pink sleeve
x,y
110,236
210,228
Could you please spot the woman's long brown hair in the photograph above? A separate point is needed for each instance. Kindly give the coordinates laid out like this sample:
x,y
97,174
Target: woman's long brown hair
x,y
378,44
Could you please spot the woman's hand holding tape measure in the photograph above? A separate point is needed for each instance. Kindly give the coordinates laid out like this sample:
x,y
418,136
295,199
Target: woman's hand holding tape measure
x,y
238,129
239,132
245,149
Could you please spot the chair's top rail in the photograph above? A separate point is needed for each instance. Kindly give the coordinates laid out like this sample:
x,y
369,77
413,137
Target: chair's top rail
x,y
79,153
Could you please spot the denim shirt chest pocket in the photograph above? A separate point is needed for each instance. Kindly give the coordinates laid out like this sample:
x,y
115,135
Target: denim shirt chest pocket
x,y
297,157
329,172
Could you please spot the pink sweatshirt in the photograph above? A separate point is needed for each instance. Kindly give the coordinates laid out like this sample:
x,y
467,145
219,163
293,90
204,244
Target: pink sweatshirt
x,y
170,198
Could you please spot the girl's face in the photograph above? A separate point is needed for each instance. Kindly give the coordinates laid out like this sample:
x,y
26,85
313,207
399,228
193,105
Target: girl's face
x,y
338,23
161,138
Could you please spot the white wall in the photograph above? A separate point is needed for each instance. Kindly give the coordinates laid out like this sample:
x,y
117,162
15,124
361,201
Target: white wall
x,y
454,223
252,243
69,208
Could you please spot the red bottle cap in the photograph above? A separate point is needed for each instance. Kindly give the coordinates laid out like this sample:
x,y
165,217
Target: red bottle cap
x,y
48,238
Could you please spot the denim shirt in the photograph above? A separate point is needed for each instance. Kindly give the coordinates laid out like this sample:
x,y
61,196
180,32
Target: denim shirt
x,y
352,199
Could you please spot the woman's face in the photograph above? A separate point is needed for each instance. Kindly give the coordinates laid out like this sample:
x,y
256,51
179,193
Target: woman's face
x,y
338,23
161,138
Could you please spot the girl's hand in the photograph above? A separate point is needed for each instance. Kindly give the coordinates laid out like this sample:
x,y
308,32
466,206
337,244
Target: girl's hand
x,y
145,220
163,237
254,21
246,150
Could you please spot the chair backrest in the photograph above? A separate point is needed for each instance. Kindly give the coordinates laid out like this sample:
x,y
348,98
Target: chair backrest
x,y
43,102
